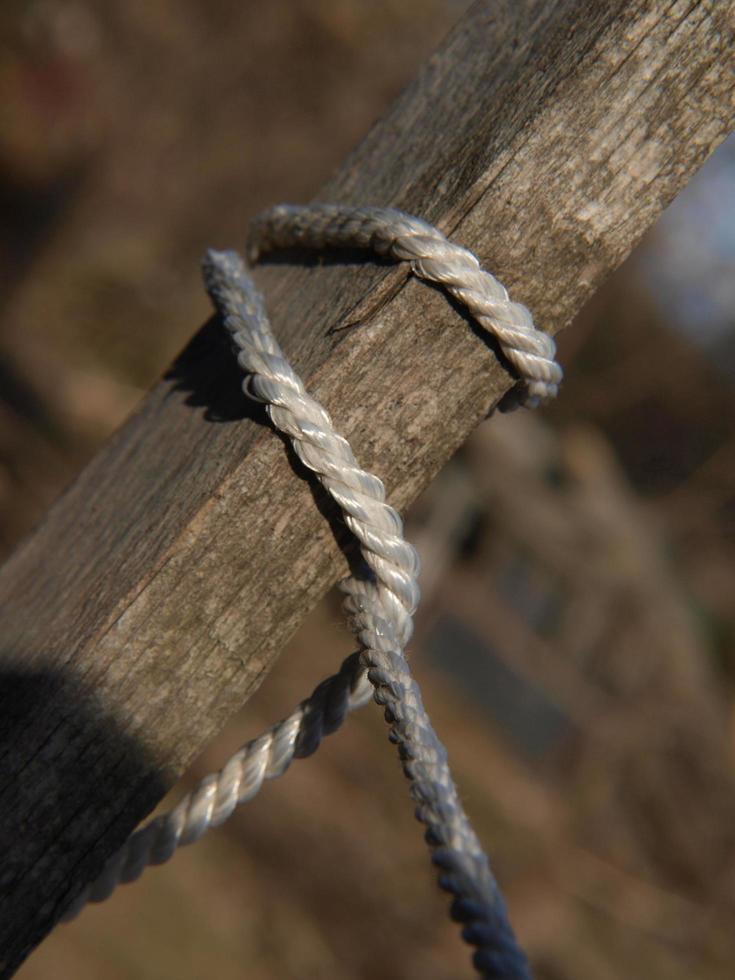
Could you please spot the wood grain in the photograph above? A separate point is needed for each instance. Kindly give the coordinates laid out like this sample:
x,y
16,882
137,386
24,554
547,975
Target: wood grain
x,y
155,595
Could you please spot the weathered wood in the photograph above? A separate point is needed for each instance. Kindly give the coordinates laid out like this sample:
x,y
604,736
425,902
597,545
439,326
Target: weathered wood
x,y
157,592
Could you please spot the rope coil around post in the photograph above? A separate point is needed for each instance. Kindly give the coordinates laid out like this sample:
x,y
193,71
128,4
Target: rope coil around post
x,y
381,601
433,258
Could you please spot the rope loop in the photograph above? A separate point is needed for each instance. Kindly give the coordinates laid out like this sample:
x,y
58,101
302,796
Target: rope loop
x,y
381,600
388,232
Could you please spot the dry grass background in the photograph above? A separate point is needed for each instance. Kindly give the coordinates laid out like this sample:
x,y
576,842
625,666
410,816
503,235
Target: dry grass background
x,y
576,639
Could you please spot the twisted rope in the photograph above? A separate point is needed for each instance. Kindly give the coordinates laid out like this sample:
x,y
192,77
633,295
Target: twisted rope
x,y
433,258
380,603
213,801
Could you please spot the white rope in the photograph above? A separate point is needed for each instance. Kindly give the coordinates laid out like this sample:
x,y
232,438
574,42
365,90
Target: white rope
x,y
434,258
381,602
215,798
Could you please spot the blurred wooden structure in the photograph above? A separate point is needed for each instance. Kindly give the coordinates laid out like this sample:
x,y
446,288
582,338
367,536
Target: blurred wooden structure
x,y
563,617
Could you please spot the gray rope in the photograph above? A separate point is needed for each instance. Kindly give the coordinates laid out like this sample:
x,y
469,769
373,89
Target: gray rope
x,y
433,258
381,603
214,799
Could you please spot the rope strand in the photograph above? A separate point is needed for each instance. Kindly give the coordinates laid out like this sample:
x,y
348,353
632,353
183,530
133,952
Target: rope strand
x,y
433,258
381,601
215,798
380,605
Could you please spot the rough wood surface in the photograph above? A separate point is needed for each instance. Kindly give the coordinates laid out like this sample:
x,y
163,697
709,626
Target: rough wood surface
x,y
151,601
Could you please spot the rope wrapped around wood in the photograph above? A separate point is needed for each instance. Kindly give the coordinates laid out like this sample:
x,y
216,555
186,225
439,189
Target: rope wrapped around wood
x,y
434,258
382,598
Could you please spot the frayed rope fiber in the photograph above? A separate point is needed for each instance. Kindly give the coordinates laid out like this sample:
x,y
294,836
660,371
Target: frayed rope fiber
x,y
381,599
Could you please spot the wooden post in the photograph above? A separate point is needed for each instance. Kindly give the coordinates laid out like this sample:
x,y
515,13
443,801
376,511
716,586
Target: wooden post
x,y
151,601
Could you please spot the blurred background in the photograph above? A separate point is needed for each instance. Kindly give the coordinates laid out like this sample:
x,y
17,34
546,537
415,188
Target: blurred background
x,y
576,643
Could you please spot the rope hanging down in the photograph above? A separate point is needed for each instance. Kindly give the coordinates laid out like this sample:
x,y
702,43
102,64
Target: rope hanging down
x,y
381,600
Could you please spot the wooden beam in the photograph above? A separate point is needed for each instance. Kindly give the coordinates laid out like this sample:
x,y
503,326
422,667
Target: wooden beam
x,y
150,602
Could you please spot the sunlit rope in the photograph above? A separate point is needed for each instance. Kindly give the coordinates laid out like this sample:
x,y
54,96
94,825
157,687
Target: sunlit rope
x,y
433,257
382,599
